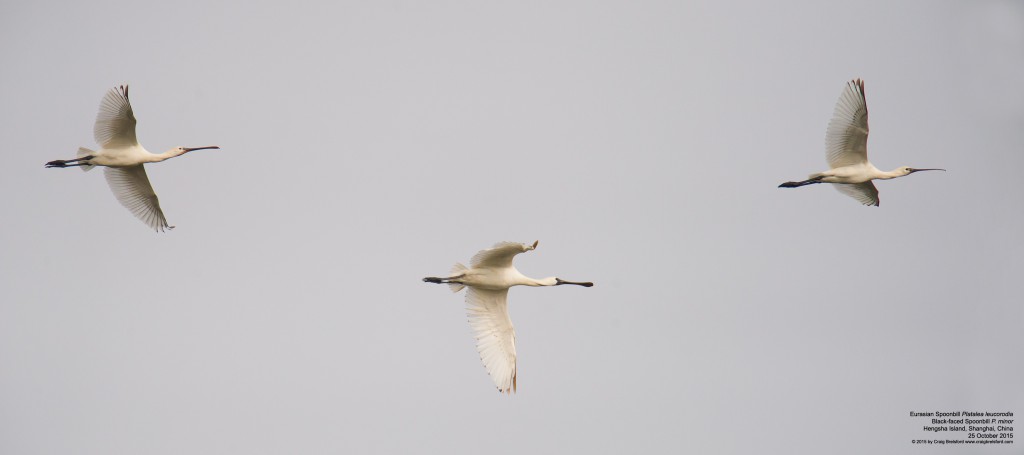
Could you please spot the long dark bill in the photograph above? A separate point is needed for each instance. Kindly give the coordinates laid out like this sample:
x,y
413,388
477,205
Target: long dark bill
x,y
201,148
912,170
586,284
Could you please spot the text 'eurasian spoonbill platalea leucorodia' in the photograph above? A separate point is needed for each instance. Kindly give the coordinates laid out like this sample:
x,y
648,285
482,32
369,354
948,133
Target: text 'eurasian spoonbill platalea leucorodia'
x,y
123,157
488,278
846,149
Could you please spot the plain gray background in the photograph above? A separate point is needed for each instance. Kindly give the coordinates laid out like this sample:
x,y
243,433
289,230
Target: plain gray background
x,y
369,144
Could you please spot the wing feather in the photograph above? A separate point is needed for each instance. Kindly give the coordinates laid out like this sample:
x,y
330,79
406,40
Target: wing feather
x,y
865,192
495,337
132,189
846,139
498,256
115,121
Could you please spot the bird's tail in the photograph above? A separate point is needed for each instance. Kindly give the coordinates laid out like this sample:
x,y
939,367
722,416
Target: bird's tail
x,y
82,151
457,269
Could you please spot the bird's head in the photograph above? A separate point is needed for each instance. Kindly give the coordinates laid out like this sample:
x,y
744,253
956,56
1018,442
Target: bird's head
x,y
907,170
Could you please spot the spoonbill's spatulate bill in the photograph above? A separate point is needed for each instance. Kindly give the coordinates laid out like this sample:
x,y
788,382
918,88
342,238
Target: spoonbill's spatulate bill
x,y
846,142
488,278
123,158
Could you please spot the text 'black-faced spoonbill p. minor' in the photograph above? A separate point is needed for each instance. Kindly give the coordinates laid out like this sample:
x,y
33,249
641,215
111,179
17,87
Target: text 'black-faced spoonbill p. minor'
x,y
846,149
123,157
488,278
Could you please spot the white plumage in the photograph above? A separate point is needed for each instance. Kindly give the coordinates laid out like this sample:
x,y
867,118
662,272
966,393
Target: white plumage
x,y
488,279
846,150
123,158
487,310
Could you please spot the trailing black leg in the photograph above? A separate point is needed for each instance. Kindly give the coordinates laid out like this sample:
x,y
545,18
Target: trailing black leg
x,y
68,163
434,279
801,183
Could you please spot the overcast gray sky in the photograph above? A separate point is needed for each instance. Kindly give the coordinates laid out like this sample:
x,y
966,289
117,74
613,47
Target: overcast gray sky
x,y
366,145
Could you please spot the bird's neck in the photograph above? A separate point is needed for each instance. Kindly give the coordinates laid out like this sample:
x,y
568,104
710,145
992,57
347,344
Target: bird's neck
x,y
527,281
889,175
878,174
158,157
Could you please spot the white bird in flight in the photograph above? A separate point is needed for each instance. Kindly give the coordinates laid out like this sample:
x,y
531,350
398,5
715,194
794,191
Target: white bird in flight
x,y
846,150
488,278
123,158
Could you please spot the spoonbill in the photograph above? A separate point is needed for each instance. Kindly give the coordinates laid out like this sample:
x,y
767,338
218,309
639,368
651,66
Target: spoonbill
x,y
123,158
846,150
488,278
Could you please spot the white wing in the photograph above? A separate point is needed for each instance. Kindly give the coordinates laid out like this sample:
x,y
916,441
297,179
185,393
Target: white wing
x,y
865,192
495,338
500,255
115,122
846,140
132,189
